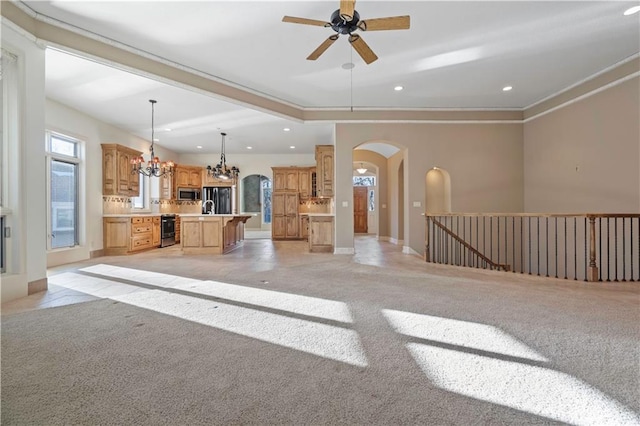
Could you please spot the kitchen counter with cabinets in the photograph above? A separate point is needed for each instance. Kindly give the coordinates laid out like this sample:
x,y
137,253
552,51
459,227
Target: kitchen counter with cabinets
x,y
211,233
129,233
321,230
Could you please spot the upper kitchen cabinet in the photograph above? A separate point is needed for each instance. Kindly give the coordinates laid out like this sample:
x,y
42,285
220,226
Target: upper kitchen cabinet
x,y
117,178
324,168
285,178
307,182
188,176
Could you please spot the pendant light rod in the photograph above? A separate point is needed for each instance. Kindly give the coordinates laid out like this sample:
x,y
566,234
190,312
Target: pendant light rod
x,y
154,167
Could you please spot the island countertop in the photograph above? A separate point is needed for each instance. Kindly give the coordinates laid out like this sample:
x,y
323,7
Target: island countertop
x,y
211,233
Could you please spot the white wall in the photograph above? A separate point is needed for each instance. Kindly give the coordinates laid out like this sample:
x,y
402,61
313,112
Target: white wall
x,y
93,132
27,174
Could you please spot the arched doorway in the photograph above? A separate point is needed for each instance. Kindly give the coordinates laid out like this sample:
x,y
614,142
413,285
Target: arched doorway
x,y
437,191
256,200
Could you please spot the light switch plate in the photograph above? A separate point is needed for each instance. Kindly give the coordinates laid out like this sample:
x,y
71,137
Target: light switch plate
x,y
345,204
417,204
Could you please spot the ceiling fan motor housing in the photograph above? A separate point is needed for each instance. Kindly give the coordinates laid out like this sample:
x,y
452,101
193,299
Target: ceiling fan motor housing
x,y
341,26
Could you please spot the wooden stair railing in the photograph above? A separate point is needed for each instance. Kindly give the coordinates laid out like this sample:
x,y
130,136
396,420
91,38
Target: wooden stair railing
x,y
476,252
577,246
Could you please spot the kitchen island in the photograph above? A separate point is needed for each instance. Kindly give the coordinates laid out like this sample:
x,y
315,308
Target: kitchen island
x,y
211,233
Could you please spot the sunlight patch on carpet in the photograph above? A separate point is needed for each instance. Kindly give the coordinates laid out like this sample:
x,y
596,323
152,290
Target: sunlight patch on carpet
x,y
294,303
460,333
533,389
323,340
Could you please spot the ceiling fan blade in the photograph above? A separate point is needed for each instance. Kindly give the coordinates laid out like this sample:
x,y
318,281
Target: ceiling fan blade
x,y
346,9
305,21
362,48
324,46
382,24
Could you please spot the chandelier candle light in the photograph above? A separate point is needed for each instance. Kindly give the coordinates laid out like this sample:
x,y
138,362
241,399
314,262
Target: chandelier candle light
x,y
221,171
154,167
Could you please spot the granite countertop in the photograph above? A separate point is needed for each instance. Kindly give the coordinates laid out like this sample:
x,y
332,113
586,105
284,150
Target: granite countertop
x,y
132,215
212,215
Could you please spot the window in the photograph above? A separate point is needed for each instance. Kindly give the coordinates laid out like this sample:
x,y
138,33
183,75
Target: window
x,y
141,201
266,199
372,204
63,180
364,181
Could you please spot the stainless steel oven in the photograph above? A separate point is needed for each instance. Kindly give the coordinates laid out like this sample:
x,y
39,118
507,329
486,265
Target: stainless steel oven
x,y
167,230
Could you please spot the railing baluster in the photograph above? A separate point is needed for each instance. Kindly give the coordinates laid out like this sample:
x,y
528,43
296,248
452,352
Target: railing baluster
x,y
538,245
631,244
615,246
608,254
575,248
556,233
600,247
546,244
565,247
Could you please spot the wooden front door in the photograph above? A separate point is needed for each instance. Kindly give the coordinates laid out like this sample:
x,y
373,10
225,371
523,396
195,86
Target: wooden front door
x,y
360,210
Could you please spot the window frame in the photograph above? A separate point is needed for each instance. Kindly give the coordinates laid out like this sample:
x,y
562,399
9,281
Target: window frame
x,y
51,156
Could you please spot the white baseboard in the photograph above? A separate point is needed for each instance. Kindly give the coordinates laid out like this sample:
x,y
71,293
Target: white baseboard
x,y
383,238
396,241
344,250
409,250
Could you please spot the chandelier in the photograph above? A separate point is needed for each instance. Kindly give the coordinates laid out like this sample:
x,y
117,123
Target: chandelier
x,y
153,167
221,171
362,170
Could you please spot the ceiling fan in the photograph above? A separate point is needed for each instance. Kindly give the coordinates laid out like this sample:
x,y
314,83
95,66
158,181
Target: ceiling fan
x,y
346,20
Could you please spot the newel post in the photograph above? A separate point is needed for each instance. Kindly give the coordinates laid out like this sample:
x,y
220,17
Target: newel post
x,y
593,269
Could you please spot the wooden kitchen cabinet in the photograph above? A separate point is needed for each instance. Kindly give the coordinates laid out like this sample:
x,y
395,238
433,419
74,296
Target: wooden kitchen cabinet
x,y
117,178
324,169
321,229
177,229
285,178
304,226
125,234
284,208
156,231
166,187
188,176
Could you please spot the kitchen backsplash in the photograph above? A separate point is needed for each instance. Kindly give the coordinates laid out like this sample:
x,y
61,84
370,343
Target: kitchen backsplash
x,y
318,205
123,205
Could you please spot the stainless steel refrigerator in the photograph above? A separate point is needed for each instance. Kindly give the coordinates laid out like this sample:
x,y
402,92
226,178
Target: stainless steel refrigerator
x,y
220,197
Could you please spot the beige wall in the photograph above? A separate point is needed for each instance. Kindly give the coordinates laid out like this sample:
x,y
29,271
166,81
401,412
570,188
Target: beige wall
x,y
585,157
484,162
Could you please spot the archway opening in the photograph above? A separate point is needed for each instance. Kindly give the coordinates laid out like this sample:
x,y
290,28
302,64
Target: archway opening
x,y
256,200
437,191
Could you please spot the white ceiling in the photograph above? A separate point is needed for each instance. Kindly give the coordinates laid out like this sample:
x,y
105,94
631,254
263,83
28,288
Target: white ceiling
x,y
456,55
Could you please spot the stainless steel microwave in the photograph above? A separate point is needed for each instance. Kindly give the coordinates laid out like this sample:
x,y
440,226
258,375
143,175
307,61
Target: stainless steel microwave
x,y
189,194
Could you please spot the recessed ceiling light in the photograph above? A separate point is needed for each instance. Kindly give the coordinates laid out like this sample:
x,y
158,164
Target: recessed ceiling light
x,y
199,146
156,140
506,88
632,10
398,88
167,130
348,66
292,147
286,129
249,147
